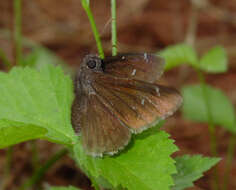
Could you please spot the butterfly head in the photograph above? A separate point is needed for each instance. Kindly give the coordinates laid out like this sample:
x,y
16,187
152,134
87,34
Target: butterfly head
x,y
86,75
92,63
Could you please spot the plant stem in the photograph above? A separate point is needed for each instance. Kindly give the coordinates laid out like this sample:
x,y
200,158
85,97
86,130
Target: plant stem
x,y
190,39
35,158
9,155
39,173
17,31
94,183
87,9
113,28
192,27
92,179
211,127
229,159
4,59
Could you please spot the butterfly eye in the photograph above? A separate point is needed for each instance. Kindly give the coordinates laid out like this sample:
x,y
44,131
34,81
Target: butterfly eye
x,y
91,64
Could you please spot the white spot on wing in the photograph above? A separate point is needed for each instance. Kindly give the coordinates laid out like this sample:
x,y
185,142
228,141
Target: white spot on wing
x,y
157,91
145,57
133,72
142,101
91,91
123,57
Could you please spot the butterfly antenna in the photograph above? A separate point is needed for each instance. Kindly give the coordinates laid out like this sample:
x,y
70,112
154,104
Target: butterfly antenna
x,y
105,27
102,33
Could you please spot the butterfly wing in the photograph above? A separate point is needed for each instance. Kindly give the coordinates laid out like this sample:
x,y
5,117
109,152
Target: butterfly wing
x,y
140,66
109,105
139,105
102,132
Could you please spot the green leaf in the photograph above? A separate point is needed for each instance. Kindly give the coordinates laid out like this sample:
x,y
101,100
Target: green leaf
x,y
191,168
221,109
179,54
144,165
38,98
14,132
41,56
214,61
64,188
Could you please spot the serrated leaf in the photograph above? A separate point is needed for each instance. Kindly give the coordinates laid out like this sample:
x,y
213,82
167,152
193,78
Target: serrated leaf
x,y
214,61
144,165
179,54
64,188
221,109
191,168
38,98
14,132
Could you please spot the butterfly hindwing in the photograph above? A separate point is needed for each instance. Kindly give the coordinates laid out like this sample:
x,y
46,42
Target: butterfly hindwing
x,y
101,131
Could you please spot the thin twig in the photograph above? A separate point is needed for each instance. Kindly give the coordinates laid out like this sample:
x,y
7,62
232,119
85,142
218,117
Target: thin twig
x,y
5,60
211,127
87,9
9,155
190,39
94,183
35,158
229,160
113,28
17,31
39,173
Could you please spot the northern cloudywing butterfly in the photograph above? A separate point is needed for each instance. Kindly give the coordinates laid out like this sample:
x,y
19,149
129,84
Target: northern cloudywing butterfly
x,y
116,97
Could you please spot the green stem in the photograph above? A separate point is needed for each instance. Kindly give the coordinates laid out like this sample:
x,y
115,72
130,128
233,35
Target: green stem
x,y
209,115
4,59
17,31
87,9
9,156
39,173
94,183
76,159
113,28
35,158
229,160
211,127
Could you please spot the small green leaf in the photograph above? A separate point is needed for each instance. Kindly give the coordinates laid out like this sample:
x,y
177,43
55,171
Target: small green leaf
x,y
179,54
214,61
41,56
221,109
144,165
14,132
191,168
64,188
38,98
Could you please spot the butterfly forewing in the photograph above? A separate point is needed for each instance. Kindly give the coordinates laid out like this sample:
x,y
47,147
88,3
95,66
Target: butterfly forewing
x,y
136,103
140,66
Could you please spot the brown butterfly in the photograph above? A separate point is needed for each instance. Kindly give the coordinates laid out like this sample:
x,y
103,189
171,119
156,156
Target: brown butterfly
x,y
116,97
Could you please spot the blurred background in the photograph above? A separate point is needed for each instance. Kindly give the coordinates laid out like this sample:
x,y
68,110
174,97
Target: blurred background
x,y
143,26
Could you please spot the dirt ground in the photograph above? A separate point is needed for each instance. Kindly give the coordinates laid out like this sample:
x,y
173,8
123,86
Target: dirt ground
x,y
143,25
